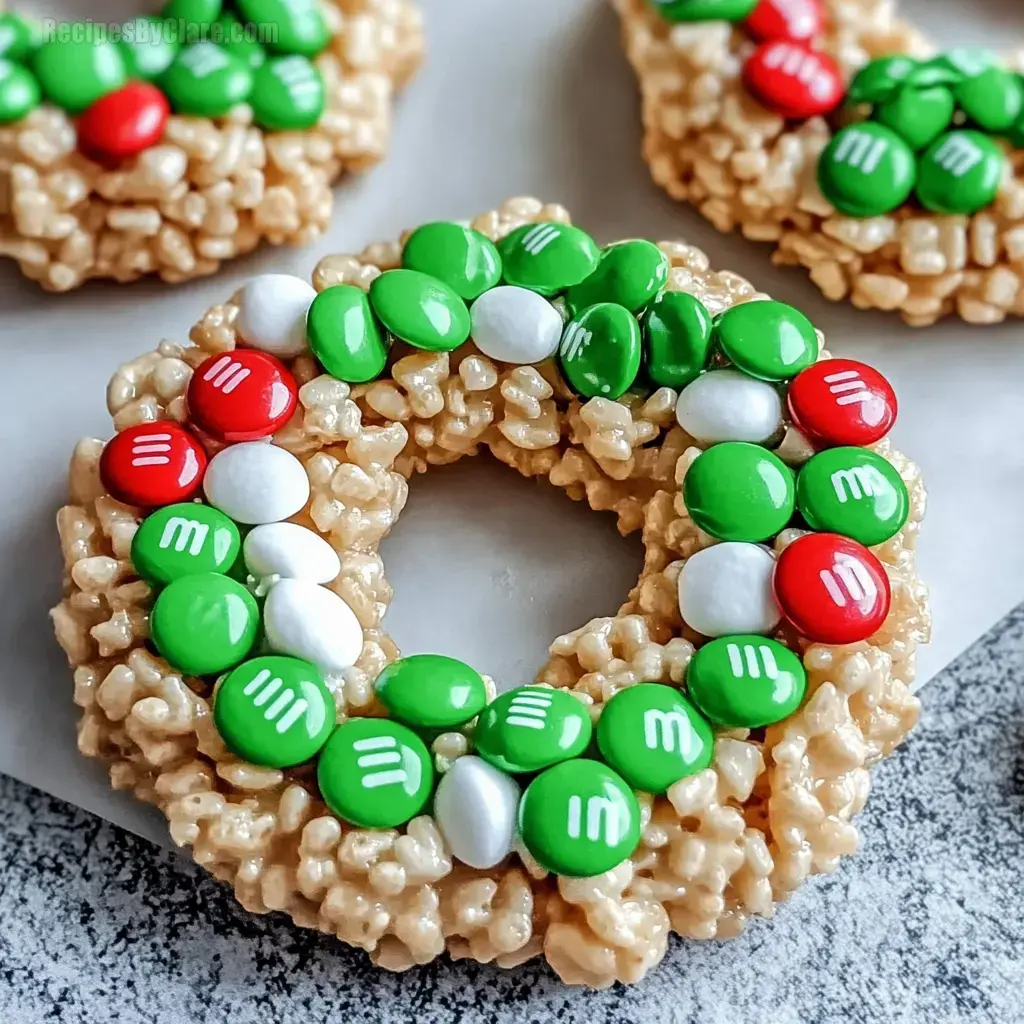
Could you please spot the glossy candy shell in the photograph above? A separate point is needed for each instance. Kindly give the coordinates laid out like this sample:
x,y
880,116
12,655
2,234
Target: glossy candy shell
x,y
793,80
832,589
242,395
153,464
842,402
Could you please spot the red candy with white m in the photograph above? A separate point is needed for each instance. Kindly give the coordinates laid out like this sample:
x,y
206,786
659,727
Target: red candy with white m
x,y
153,464
832,589
785,19
842,402
243,395
793,80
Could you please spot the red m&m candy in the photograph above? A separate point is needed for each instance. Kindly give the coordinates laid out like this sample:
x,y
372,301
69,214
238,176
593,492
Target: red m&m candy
x,y
123,123
839,402
785,19
153,464
242,395
832,589
793,80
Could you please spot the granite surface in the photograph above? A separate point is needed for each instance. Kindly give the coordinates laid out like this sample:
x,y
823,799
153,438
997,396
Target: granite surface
x,y
97,925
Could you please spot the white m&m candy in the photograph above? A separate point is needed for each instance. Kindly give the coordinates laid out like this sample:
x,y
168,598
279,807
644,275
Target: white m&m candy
x,y
311,622
291,551
475,809
515,325
272,314
727,588
256,482
726,405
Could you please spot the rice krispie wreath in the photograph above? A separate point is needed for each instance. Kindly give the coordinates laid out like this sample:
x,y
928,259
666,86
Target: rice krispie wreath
x,y
176,141
682,765
832,129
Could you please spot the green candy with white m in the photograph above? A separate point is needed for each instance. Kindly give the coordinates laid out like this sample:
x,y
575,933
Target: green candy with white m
x,y
206,81
960,173
531,728
854,492
547,257
653,737
182,540
287,94
274,711
746,681
867,170
579,819
600,351
375,773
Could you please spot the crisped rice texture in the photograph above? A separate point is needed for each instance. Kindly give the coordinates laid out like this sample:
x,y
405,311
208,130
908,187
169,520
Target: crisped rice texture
x,y
710,143
211,189
775,807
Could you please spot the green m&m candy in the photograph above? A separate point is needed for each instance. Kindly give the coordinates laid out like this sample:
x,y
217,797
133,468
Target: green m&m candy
x,y
951,67
880,78
287,94
190,17
204,624
548,257
464,259
993,99
420,309
182,540
653,737
960,172
298,25
431,691
739,491
579,819
375,773
18,38
766,339
206,81
629,273
746,681
239,40
600,351
531,728
274,711
677,339
344,334
704,10
918,116
854,492
867,170
19,92
148,45
75,72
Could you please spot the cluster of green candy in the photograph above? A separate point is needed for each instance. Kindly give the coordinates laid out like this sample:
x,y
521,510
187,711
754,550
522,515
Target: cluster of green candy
x,y
621,328
934,131
206,56
378,772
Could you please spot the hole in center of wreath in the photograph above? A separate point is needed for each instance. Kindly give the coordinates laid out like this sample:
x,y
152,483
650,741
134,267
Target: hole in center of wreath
x,y
489,567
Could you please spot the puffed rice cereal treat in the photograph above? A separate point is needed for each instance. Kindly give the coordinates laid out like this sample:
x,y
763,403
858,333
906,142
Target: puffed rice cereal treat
x,y
683,764
173,142
834,131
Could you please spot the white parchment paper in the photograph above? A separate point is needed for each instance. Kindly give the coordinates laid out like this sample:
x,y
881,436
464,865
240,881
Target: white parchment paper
x,y
525,97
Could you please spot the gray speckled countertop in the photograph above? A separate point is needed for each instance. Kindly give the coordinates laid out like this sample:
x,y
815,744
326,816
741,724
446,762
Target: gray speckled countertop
x,y
97,925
